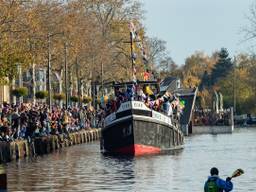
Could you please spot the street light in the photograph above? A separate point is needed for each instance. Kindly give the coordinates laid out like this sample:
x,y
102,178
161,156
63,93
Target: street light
x,y
78,82
49,89
49,71
66,73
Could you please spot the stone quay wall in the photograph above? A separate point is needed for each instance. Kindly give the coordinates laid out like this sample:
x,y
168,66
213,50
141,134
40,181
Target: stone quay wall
x,y
44,145
212,129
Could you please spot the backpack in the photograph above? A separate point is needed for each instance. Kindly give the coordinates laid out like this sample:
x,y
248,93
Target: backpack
x,y
211,186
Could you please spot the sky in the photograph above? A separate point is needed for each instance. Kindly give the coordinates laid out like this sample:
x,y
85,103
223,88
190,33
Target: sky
x,y
198,25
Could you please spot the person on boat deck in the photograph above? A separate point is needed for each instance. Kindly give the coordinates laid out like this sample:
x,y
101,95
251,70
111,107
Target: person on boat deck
x,y
141,95
119,97
117,91
216,184
170,110
158,103
149,102
108,108
147,90
113,105
166,103
167,109
129,94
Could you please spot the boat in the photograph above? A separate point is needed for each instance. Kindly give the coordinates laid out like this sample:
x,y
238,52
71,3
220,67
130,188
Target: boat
x,y
135,129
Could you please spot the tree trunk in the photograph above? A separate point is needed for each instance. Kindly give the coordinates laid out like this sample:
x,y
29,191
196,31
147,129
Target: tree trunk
x,y
13,98
33,84
45,80
60,82
70,84
20,81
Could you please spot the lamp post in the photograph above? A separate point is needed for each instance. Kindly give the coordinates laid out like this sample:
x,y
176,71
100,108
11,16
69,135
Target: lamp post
x,y
78,80
49,71
102,84
49,87
66,74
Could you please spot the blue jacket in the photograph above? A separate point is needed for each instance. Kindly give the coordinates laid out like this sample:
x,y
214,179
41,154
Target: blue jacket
x,y
224,186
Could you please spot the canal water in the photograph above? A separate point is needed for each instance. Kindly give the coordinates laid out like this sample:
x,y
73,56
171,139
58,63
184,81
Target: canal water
x,y
84,168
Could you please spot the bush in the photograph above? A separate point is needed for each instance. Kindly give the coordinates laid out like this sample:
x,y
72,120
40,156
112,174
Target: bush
x,y
20,92
41,94
59,96
87,100
74,99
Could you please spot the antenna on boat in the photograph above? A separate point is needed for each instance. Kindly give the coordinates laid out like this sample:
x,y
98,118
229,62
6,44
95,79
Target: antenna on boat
x,y
135,38
132,57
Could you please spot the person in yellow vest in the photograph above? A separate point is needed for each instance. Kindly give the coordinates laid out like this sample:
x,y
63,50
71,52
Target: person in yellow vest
x,y
65,121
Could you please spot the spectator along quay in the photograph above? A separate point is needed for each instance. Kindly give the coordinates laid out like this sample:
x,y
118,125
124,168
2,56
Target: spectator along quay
x,y
27,130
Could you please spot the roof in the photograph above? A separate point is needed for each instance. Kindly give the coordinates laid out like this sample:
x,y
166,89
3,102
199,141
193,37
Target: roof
x,y
185,91
167,81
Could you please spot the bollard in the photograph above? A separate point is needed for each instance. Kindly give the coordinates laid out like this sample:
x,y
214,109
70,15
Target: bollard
x,y
3,179
91,133
88,137
97,133
85,137
75,141
22,149
12,150
17,151
26,149
77,138
82,137
48,145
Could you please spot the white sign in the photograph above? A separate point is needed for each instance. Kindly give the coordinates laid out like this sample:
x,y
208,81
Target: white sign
x,y
139,105
161,117
132,105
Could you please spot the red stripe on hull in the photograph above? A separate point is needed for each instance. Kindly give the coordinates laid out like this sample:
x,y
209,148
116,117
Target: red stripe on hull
x,y
138,150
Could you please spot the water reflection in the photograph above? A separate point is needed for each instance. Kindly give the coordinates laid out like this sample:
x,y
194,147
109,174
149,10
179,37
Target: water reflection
x,y
84,168
119,173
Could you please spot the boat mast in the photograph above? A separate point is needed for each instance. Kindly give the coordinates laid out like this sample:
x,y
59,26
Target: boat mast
x,y
132,55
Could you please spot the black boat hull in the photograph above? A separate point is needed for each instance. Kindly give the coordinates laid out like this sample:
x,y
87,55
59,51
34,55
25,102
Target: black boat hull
x,y
139,135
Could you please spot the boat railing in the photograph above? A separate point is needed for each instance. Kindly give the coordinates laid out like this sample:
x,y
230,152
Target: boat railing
x,y
173,118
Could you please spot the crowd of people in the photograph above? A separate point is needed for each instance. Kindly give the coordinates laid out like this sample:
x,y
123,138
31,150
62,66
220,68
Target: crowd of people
x,y
26,121
208,117
168,103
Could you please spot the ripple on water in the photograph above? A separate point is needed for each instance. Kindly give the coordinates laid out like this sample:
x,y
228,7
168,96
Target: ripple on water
x,y
84,168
